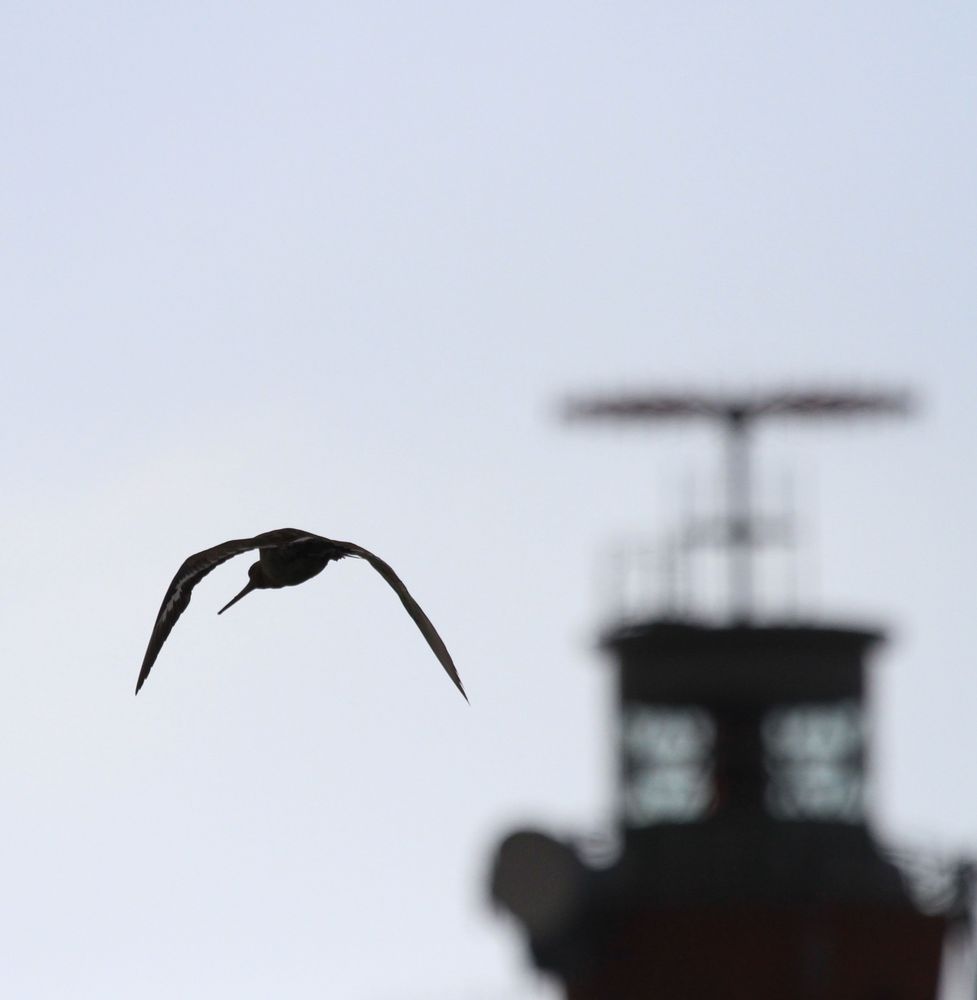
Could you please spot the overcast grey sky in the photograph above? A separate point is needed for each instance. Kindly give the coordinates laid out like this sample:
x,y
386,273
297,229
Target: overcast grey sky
x,y
332,266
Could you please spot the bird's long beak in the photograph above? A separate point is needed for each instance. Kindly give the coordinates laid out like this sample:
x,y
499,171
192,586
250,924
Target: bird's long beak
x,y
247,590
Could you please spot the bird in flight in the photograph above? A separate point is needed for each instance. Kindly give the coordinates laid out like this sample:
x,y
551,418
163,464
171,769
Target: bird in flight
x,y
286,557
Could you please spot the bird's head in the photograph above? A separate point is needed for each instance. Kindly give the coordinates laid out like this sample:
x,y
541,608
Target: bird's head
x,y
256,581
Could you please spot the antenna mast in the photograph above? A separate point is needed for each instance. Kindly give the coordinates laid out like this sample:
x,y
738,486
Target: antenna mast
x,y
740,530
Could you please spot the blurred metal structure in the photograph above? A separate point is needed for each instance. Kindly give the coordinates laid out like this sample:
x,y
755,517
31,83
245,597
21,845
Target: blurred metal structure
x,y
737,415
744,865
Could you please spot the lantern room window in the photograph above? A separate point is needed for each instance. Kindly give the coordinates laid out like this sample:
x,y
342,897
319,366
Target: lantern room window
x,y
814,761
668,764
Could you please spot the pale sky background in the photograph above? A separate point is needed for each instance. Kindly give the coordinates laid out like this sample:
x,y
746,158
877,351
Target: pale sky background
x,y
333,266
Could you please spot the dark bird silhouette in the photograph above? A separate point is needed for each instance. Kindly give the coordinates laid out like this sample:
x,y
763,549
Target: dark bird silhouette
x,y
287,557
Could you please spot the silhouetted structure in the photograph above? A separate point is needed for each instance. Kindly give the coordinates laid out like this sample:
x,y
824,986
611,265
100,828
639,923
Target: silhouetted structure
x,y
746,868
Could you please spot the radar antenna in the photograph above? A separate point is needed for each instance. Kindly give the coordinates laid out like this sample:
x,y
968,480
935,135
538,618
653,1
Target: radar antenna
x,y
737,416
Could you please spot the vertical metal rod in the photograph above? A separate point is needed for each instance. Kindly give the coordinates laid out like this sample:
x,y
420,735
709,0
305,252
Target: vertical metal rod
x,y
739,520
793,565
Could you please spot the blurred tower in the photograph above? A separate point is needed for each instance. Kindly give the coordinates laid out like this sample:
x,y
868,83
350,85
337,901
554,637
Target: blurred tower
x,y
746,867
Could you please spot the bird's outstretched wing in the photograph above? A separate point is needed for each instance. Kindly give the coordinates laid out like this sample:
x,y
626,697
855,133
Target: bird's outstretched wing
x,y
413,609
190,574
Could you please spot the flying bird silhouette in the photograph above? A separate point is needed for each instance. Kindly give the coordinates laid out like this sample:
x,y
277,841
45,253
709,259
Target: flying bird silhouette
x,y
287,557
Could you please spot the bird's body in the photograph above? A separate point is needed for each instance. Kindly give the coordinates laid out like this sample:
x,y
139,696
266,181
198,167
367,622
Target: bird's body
x,y
287,557
282,568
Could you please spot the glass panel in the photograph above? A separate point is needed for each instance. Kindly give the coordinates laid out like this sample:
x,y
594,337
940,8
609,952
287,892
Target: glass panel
x,y
814,761
667,762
